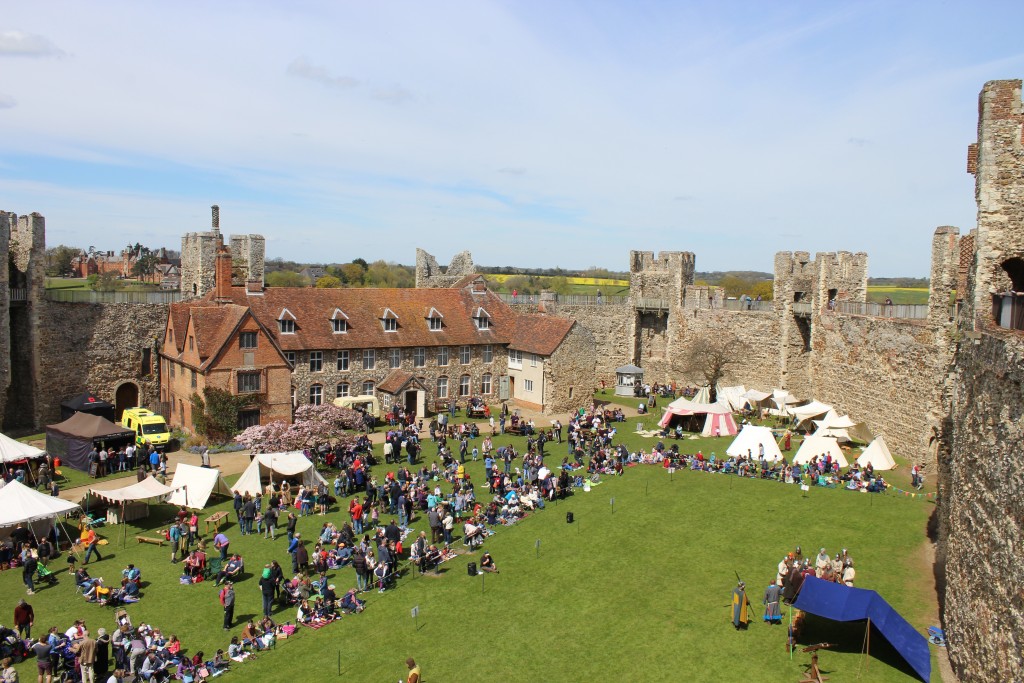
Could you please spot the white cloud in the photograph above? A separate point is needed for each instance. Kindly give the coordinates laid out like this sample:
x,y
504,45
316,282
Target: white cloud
x,y
666,126
21,44
302,68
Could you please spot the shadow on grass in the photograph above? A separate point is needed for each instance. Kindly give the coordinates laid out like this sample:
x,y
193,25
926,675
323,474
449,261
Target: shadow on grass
x,y
849,637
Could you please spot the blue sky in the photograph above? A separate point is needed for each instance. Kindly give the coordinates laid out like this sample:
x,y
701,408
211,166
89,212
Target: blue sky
x,y
532,133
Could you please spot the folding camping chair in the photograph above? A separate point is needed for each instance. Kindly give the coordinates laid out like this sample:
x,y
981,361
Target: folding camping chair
x,y
213,565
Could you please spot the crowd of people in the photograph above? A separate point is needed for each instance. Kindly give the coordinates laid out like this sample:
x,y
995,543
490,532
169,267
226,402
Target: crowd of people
x,y
373,536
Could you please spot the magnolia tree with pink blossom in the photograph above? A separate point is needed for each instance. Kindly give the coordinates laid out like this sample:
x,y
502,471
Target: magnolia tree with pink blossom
x,y
313,425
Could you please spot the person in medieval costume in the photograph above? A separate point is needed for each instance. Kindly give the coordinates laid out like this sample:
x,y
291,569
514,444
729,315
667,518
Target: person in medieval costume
x,y
787,585
740,606
822,564
772,613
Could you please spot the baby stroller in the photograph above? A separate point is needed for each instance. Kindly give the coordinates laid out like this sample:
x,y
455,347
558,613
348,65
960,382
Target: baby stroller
x,y
45,575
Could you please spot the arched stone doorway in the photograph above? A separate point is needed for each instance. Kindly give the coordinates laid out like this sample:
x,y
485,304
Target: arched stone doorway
x,y
127,396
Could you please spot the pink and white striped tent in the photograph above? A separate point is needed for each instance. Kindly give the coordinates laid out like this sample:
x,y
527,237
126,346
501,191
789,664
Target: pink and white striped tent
x,y
719,420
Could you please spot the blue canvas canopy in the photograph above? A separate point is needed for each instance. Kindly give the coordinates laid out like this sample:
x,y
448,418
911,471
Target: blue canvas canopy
x,y
842,603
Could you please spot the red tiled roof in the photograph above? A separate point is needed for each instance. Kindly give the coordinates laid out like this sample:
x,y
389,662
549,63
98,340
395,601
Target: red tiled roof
x,y
313,308
213,325
396,381
179,318
540,334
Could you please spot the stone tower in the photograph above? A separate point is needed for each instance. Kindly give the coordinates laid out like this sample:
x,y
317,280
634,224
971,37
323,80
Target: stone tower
x,y
657,291
22,283
429,274
199,258
997,162
981,484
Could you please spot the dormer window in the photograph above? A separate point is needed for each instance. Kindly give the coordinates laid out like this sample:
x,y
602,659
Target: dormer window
x,y
286,322
483,319
339,321
389,320
435,321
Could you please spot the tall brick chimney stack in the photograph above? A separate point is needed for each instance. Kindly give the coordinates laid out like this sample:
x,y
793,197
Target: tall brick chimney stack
x,y
222,292
216,218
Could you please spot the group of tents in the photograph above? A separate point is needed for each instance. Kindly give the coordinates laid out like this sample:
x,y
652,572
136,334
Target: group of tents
x,y
824,428
191,486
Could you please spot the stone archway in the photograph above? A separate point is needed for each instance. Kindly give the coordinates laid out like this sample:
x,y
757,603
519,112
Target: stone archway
x,y
126,396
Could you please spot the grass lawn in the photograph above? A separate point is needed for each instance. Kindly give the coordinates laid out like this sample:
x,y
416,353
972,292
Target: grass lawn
x,y
638,591
67,283
899,295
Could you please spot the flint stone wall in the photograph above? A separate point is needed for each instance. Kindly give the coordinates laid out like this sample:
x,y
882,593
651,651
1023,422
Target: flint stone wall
x,y
97,347
983,511
888,373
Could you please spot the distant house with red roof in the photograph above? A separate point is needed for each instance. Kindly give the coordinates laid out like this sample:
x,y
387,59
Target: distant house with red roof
x,y
418,348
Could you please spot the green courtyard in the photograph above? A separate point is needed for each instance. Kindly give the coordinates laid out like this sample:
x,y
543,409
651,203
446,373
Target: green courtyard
x,y
635,590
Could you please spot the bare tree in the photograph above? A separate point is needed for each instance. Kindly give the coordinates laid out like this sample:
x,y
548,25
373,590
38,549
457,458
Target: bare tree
x,y
710,355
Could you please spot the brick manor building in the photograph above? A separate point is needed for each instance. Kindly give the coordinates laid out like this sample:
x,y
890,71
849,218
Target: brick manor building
x,y
418,348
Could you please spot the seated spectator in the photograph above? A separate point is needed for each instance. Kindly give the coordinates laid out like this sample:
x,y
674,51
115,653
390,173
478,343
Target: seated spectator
x,y
82,579
131,576
154,668
237,651
351,603
432,558
231,570
252,636
304,615
487,564
195,563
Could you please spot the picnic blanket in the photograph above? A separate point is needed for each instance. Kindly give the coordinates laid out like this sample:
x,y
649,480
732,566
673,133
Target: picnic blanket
x,y
315,625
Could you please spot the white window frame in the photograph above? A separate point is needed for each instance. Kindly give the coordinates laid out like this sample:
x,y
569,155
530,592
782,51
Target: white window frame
x,y
394,358
286,321
533,360
435,321
316,361
485,384
528,386
442,356
465,354
442,387
291,356
369,359
342,389
339,321
419,357
488,354
316,394
465,386
343,362
515,359
482,319
389,321
369,387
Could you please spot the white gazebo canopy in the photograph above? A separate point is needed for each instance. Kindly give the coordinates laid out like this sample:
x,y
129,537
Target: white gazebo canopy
x,y
11,450
20,504
625,378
